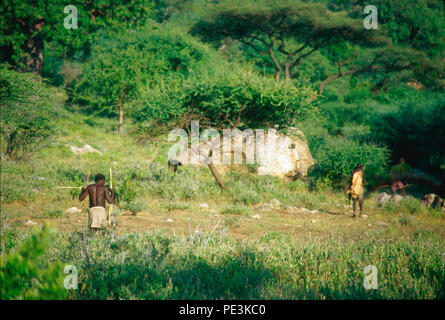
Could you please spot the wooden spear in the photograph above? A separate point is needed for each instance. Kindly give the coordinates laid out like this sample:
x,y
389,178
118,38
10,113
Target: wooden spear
x,y
110,207
87,179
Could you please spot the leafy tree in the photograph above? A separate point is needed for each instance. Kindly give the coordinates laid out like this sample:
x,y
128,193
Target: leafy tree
x,y
417,29
121,66
26,113
418,24
384,65
415,130
26,26
165,9
227,97
287,31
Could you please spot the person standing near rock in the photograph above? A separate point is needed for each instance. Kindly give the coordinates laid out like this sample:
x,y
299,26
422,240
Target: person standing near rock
x,y
97,193
356,188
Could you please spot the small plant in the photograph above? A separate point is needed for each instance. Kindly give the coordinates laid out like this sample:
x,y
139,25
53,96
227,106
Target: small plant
x,y
55,213
176,206
237,210
134,206
404,219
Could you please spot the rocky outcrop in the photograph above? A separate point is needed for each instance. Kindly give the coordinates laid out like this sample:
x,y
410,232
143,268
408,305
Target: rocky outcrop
x,y
288,157
291,159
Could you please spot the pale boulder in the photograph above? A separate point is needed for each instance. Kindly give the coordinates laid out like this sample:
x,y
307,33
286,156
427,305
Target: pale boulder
x,y
288,158
85,149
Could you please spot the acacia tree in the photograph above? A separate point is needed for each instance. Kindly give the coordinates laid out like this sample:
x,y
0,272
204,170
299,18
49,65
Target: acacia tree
x,y
287,31
417,29
26,26
390,63
112,75
418,24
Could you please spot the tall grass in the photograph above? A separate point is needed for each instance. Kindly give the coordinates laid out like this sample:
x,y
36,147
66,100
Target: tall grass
x,y
203,266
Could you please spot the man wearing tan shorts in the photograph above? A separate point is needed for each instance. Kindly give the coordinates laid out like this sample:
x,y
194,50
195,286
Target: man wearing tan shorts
x,y
97,193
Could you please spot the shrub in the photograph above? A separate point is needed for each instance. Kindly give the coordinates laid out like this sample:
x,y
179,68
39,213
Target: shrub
x,y
26,113
415,130
337,158
135,206
23,276
230,96
236,210
160,266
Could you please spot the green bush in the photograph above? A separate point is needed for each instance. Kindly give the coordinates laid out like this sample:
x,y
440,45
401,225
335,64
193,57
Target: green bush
x,y
337,158
24,276
237,210
26,113
229,96
135,206
415,130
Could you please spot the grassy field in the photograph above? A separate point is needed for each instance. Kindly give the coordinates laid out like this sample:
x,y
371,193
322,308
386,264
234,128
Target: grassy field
x,y
179,236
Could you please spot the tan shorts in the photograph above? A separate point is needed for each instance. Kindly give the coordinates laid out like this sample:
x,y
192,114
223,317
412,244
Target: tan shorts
x,y
97,217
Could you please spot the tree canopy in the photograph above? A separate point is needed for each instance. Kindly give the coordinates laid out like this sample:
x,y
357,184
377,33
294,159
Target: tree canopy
x,y
287,31
26,26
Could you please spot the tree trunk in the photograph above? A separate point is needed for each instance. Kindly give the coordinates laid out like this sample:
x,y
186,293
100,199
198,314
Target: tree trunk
x,y
214,171
34,53
329,79
121,110
277,65
216,175
287,71
121,117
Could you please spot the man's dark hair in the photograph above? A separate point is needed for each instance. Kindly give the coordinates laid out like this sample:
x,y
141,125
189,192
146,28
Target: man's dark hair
x,y
359,166
99,177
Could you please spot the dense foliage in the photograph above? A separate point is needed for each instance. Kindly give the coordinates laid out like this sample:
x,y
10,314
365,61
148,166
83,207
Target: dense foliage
x,y
226,98
124,64
415,130
23,275
26,113
27,25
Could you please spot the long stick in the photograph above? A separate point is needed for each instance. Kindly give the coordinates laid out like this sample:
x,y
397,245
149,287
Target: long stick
x,y
110,207
87,179
62,187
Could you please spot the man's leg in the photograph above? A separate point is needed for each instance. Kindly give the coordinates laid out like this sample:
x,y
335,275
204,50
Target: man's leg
x,y
360,203
354,205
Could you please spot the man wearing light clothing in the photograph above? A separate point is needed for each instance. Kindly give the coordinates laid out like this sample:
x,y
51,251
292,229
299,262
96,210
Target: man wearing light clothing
x,y
97,193
356,188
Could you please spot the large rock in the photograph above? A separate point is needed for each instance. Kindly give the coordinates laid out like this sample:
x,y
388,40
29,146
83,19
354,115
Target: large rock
x,y
288,158
291,159
382,198
85,149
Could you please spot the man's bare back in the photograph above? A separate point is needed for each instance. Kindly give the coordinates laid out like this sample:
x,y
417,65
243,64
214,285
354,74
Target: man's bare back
x,y
97,193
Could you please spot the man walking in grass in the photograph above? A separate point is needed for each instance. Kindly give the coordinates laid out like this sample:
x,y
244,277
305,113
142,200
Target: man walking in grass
x,y
356,188
97,193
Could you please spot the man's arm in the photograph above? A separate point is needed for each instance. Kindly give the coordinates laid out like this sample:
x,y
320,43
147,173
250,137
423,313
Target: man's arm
x,y
83,193
109,195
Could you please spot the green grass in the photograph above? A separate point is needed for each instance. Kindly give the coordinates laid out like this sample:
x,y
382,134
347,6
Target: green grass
x,y
161,266
281,255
